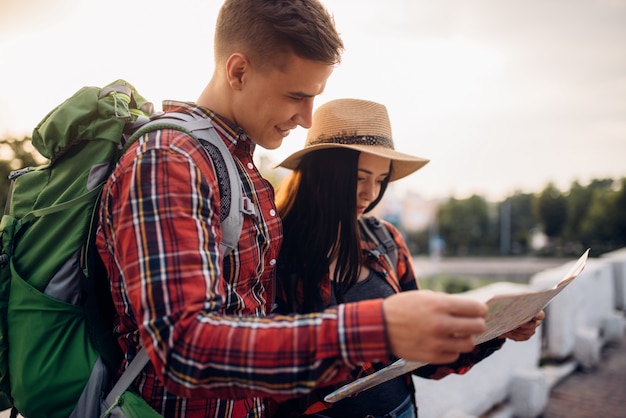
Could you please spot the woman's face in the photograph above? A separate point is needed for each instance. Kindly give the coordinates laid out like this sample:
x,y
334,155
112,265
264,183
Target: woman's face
x,y
372,171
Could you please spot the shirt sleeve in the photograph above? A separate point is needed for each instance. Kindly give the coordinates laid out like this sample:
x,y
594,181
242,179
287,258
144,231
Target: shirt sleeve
x,y
463,364
162,227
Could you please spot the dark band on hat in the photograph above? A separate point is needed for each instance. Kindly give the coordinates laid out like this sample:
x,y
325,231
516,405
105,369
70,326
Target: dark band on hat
x,y
355,140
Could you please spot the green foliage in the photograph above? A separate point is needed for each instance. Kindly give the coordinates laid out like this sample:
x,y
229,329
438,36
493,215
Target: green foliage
x,y
418,241
592,216
465,224
522,221
551,209
452,283
578,201
619,212
605,220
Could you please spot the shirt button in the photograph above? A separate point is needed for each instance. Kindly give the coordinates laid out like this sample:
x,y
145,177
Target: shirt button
x,y
272,261
272,212
250,166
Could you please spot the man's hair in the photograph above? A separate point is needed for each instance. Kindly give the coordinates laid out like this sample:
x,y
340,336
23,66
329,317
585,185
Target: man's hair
x,y
266,30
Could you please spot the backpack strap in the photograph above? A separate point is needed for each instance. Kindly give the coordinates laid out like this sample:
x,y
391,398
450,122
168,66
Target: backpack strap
x,y
381,236
129,375
233,204
231,218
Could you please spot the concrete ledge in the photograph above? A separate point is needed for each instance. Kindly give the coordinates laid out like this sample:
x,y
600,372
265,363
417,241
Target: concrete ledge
x,y
617,259
556,373
587,348
529,393
613,327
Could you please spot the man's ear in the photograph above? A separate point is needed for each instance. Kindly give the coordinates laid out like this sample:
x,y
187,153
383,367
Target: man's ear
x,y
236,67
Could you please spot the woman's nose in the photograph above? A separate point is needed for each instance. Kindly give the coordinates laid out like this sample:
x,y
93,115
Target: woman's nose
x,y
368,191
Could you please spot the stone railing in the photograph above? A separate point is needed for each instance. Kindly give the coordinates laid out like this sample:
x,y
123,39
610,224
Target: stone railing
x,y
585,316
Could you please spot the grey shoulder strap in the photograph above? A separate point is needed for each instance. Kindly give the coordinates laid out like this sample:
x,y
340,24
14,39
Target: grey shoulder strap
x,y
129,375
234,203
381,236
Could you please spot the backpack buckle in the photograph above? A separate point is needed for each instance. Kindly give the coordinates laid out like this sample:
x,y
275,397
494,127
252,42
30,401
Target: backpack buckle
x,y
375,253
247,207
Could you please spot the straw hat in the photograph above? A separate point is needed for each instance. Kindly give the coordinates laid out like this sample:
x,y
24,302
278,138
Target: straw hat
x,y
356,124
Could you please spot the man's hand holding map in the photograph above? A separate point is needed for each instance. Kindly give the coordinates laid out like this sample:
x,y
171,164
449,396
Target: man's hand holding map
x,y
506,313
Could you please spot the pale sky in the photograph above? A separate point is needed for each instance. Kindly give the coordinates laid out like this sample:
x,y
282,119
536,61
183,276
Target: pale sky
x,y
500,95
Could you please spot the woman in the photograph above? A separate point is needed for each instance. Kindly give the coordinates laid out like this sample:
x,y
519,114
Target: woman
x,y
327,256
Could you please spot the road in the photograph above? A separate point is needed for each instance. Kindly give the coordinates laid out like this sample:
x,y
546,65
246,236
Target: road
x,y
503,268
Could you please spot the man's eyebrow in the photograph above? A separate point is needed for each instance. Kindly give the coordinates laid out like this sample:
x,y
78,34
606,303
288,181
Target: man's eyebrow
x,y
301,94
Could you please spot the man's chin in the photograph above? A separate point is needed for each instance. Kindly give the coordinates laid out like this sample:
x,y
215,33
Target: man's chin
x,y
270,144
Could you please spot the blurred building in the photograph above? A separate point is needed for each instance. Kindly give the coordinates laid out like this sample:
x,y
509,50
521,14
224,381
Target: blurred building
x,y
406,209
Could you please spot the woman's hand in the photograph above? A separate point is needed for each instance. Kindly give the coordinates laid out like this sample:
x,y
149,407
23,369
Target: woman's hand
x,y
526,330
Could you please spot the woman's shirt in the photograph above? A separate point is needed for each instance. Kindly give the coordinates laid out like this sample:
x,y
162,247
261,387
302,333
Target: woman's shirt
x,y
386,396
400,279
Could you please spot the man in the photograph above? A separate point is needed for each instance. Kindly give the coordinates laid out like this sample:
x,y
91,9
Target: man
x,y
203,321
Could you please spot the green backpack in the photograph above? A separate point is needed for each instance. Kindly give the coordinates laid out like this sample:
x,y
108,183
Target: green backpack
x,y
55,304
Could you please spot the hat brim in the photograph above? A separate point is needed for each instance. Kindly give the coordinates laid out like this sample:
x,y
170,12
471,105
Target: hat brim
x,y
403,164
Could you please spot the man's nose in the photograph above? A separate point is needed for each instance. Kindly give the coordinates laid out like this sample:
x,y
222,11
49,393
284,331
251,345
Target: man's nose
x,y
304,117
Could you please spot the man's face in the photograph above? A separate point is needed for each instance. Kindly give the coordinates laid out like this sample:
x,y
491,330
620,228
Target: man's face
x,y
272,103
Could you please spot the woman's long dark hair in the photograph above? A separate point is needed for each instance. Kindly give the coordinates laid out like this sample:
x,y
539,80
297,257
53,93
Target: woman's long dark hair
x,y
318,204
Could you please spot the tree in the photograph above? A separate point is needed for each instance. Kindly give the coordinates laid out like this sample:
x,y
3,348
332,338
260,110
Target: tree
x,y
604,226
522,221
620,213
578,201
551,210
465,224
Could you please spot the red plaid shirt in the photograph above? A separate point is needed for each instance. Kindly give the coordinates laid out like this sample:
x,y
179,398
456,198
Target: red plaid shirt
x,y
213,350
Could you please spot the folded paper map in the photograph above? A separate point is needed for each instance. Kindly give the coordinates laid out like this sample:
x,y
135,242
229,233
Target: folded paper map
x,y
506,313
